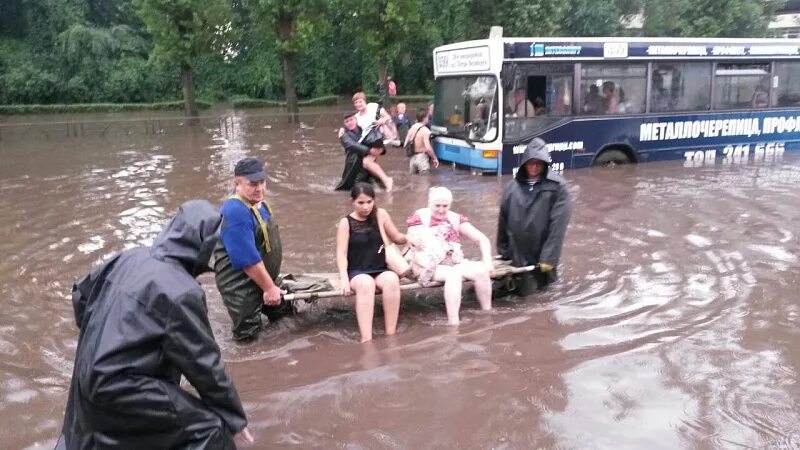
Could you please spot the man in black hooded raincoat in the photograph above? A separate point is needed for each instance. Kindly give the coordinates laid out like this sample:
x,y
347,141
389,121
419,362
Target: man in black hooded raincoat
x,y
143,323
534,214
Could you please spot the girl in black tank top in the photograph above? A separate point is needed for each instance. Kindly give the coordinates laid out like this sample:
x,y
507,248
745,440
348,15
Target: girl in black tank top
x,y
361,260
365,248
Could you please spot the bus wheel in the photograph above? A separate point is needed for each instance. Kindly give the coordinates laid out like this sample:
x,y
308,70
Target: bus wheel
x,y
611,158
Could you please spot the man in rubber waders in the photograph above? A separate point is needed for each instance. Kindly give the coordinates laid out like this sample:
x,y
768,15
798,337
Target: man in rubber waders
x,y
534,214
248,257
143,323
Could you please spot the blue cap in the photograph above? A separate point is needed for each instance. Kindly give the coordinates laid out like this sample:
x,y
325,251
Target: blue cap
x,y
250,168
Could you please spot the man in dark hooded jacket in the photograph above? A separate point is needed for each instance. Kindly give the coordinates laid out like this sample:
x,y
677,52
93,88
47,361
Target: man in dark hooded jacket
x,y
143,323
534,213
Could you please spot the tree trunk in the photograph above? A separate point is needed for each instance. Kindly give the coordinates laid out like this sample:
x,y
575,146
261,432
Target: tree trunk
x,y
383,72
289,89
286,35
187,83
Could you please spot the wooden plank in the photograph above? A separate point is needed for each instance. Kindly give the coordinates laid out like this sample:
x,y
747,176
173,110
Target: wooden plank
x,y
502,269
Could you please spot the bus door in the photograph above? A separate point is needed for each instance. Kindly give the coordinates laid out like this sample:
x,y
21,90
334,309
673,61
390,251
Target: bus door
x,y
537,98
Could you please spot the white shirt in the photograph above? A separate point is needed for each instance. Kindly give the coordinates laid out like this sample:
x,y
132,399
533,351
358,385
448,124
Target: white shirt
x,y
365,120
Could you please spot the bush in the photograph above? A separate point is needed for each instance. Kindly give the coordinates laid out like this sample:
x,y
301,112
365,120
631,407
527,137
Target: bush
x,y
328,100
28,84
404,98
246,102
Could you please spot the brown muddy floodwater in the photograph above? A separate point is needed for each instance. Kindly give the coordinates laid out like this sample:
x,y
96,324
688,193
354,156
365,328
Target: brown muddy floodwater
x,y
675,325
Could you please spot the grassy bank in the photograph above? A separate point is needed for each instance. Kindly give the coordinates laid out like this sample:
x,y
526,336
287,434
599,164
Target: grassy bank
x,y
237,102
95,108
330,100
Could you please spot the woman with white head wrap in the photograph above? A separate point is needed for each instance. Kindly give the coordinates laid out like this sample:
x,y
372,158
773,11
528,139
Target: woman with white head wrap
x,y
441,258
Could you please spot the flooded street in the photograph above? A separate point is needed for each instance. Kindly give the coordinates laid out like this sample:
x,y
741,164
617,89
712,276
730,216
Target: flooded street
x,y
676,323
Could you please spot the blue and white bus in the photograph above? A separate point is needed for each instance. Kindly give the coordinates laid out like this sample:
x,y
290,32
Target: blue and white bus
x,y
601,101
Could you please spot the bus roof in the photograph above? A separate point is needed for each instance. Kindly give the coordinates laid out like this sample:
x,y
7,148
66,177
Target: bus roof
x,y
612,48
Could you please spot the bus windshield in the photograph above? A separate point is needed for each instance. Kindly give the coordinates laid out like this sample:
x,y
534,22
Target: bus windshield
x,y
466,107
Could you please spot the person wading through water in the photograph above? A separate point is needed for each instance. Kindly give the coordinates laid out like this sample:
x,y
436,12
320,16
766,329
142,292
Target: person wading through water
x,y
143,324
249,255
534,213
357,167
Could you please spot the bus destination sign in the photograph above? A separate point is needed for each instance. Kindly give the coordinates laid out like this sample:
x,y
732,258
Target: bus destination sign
x,y
473,59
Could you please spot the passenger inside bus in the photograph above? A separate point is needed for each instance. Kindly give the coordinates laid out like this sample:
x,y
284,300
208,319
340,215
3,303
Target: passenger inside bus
x,y
610,101
594,101
538,106
559,99
522,106
479,112
760,98
661,97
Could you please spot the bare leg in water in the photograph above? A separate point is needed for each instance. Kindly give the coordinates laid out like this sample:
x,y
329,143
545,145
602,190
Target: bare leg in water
x,y
371,164
364,287
389,284
452,279
477,272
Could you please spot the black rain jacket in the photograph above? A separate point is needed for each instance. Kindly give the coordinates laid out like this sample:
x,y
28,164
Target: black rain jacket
x,y
533,219
143,323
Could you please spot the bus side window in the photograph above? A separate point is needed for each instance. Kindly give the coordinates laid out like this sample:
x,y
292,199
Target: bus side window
x,y
680,86
741,86
613,88
787,91
559,95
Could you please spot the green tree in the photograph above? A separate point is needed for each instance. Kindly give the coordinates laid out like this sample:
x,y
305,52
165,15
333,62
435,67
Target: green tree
x,y
295,25
384,29
591,18
525,17
11,14
184,30
708,18
91,62
107,13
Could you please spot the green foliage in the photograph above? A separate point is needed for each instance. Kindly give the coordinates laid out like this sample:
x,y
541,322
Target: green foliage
x,y
27,83
591,18
183,30
243,102
709,18
78,51
424,98
384,29
294,25
525,17
327,100
41,21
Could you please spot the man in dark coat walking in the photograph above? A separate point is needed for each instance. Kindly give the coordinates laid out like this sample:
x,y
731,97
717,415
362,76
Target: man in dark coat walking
x,y
534,214
355,170
143,323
